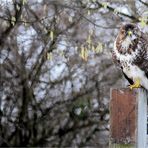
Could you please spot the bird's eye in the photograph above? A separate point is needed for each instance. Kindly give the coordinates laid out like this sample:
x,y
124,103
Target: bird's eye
x,y
122,31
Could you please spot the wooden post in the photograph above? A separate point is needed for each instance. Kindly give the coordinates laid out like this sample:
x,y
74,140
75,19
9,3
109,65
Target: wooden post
x,y
128,118
142,119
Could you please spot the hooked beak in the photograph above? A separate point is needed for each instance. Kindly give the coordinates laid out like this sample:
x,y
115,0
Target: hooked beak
x,y
129,33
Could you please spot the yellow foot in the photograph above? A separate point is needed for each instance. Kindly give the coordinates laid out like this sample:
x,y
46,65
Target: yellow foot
x,y
136,84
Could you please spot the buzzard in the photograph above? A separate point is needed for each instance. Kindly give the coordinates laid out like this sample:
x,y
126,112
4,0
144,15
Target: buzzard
x,y
130,53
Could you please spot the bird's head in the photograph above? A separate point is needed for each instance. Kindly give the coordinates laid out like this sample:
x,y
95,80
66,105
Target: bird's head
x,y
128,35
129,30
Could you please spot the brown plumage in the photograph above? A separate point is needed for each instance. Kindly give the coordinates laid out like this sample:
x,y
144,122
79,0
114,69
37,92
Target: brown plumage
x,y
131,55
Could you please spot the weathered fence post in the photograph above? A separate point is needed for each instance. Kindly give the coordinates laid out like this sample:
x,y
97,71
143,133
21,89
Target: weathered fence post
x,y
128,118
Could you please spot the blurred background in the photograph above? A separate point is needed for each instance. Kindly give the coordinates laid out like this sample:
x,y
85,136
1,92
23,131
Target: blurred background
x,y
56,69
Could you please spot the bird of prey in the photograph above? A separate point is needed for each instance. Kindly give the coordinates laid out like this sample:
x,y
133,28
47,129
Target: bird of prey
x,y
130,53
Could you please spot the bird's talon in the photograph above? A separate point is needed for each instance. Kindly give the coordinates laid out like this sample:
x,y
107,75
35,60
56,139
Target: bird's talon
x,y
131,87
135,85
